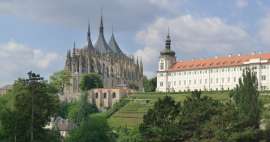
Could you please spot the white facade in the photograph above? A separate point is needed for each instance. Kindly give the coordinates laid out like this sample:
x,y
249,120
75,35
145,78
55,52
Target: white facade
x,y
212,79
213,74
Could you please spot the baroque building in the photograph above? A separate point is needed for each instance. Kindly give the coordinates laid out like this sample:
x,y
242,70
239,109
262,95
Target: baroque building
x,y
107,59
211,74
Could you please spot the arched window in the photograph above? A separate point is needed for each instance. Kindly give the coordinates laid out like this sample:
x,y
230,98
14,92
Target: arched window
x,y
113,95
104,95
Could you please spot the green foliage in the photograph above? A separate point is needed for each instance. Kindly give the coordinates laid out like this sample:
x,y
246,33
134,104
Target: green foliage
x,y
150,85
78,112
246,98
116,107
63,109
15,115
159,123
90,81
128,135
93,129
203,119
197,112
59,80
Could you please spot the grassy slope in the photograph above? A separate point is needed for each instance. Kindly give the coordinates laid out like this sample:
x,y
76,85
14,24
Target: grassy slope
x,y
131,114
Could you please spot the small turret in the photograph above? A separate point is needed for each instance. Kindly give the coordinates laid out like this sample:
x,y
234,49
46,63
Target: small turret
x,y
74,48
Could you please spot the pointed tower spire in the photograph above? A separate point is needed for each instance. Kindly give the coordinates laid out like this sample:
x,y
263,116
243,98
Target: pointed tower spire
x,y
89,42
167,50
101,45
168,41
114,45
101,28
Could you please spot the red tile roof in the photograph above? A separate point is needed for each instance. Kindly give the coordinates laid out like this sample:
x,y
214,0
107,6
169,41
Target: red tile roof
x,y
225,61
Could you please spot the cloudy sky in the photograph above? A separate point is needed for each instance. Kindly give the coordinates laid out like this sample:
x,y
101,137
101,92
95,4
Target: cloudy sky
x,y
35,34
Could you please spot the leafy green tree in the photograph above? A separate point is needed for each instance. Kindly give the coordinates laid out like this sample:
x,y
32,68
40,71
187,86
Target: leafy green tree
x,y
246,98
150,85
159,123
90,81
197,111
81,110
129,135
93,129
16,120
60,80
248,109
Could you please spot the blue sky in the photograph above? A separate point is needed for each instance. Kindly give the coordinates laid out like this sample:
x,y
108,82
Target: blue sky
x,y
35,34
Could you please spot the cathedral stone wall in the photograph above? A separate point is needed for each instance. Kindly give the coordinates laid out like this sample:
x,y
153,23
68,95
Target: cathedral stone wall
x,y
115,68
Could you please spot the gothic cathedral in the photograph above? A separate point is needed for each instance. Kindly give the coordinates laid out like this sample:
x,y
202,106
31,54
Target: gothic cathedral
x,y
106,59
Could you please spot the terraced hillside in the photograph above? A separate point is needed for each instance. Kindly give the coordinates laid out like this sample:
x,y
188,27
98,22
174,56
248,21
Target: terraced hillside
x,y
131,115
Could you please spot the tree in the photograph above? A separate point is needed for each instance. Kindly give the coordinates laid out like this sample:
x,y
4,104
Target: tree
x,y
246,98
169,121
82,109
197,112
90,81
150,85
248,107
128,135
159,123
60,80
18,121
93,129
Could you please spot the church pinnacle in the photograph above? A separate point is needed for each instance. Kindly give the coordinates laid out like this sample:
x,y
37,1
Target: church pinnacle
x,y
101,44
89,42
168,41
101,28
167,50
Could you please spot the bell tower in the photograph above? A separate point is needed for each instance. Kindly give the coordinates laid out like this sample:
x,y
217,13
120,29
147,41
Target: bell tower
x,y
167,56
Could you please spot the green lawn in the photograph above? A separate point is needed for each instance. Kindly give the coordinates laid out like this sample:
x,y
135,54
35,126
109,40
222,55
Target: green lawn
x,y
131,115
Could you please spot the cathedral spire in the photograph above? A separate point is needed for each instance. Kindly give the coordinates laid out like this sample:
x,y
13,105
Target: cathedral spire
x,y
101,28
101,45
90,45
114,45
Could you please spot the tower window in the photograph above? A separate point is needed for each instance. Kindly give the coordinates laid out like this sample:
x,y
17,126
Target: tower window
x,y
162,66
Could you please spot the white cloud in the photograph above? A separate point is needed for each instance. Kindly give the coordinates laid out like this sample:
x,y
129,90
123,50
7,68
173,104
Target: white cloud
x,y
123,13
192,37
242,3
264,30
16,59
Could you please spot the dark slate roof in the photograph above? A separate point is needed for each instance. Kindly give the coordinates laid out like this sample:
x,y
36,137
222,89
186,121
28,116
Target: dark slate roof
x,y
89,41
101,44
114,46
